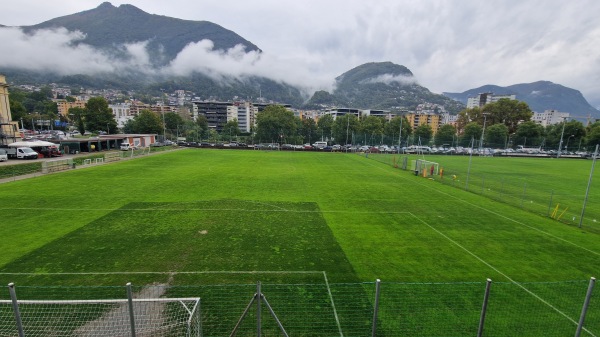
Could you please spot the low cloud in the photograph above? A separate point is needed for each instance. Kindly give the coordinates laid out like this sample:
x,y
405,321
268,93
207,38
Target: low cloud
x,y
65,53
389,79
62,52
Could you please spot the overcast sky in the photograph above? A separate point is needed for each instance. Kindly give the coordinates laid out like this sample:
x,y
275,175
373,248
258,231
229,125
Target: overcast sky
x,y
451,45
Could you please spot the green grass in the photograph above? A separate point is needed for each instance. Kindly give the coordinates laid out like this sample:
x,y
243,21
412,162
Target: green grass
x,y
355,219
546,186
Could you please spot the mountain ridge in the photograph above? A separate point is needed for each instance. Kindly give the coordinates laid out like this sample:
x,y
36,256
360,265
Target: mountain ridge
x,y
539,95
106,26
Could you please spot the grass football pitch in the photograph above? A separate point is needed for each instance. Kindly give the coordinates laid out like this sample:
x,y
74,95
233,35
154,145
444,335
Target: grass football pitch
x,y
204,217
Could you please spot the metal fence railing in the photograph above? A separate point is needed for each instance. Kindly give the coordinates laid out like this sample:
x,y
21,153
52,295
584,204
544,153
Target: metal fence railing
x,y
568,308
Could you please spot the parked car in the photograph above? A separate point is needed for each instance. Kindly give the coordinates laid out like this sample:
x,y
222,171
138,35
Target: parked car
x,y
127,147
3,155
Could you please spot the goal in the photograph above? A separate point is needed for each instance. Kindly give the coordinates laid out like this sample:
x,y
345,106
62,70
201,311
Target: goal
x,y
147,317
425,168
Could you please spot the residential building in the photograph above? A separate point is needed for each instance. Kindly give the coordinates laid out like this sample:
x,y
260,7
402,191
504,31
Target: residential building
x,y
219,113
335,112
64,106
9,130
486,98
122,113
549,117
417,119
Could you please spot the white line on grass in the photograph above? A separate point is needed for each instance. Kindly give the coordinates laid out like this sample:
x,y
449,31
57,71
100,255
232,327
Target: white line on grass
x,y
337,320
501,273
180,272
490,211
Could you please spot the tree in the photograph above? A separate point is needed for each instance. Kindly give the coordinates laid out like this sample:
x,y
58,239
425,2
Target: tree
x,y
147,122
172,121
445,135
505,111
496,136
275,123
308,130
371,126
325,126
471,134
77,116
230,129
344,127
593,135
17,110
529,133
202,126
392,129
423,134
573,131
508,112
98,116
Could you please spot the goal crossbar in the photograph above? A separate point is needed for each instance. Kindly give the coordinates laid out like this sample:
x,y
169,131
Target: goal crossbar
x,y
135,300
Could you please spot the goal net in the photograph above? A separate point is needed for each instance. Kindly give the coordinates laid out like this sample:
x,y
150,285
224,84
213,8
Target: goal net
x,y
425,168
151,317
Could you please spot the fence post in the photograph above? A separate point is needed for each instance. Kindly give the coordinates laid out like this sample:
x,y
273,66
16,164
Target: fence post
x,y
259,298
130,302
15,305
550,203
376,307
484,307
524,193
586,303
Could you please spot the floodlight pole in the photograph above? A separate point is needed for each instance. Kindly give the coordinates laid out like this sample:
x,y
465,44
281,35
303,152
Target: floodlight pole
x,y
561,137
469,169
587,191
482,133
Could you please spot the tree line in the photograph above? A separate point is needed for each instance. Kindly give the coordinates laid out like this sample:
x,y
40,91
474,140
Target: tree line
x,y
506,123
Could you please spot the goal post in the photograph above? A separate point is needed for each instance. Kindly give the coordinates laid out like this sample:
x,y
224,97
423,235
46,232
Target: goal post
x,y
108,317
425,168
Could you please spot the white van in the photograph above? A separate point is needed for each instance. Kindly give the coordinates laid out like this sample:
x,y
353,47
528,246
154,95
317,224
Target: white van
x,y
320,145
25,153
127,147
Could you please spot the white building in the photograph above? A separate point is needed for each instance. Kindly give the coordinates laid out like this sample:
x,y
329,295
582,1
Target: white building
x,y
549,117
122,113
486,98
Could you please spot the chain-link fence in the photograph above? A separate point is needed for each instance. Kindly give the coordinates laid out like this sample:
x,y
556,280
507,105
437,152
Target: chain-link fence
x,y
564,205
324,309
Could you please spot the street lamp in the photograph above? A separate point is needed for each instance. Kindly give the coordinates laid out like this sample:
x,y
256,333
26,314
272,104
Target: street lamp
x,y
567,147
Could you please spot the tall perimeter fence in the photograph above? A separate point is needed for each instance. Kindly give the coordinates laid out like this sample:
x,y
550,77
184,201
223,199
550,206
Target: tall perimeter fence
x,y
327,309
562,205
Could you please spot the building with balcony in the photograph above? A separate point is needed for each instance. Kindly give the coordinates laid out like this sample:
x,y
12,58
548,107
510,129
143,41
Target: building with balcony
x,y
417,119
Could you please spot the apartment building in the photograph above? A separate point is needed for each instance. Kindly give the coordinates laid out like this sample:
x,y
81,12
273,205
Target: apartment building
x,y
549,117
482,99
219,113
417,119
64,106
9,130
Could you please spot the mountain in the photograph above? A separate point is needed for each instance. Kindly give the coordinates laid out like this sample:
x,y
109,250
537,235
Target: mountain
x,y
108,26
381,85
540,96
